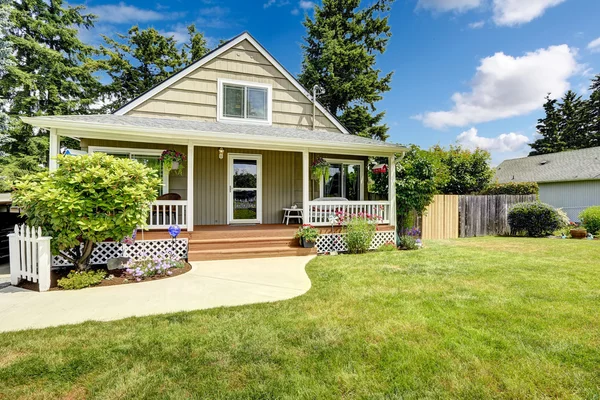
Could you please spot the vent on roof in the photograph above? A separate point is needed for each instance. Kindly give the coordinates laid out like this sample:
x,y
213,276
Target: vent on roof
x,y
544,162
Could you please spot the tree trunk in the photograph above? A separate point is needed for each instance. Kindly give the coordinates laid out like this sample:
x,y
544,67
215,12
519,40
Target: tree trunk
x,y
83,263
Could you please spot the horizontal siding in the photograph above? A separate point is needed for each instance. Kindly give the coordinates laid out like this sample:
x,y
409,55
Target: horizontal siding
x,y
572,197
195,96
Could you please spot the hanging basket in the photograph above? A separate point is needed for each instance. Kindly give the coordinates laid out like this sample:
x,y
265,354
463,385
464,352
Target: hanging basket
x,y
320,169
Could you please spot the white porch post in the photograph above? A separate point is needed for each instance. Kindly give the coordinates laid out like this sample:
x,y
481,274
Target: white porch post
x,y
305,187
190,188
392,188
54,150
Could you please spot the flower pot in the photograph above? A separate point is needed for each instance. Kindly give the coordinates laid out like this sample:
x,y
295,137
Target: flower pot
x,y
306,243
578,233
175,165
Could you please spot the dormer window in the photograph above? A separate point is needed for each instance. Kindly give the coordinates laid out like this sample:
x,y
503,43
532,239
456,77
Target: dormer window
x,y
244,102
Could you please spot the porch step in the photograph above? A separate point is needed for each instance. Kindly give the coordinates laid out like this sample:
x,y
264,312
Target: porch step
x,y
257,252
254,242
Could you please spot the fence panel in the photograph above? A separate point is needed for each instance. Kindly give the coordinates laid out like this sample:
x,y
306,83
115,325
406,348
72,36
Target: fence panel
x,y
30,256
440,220
487,215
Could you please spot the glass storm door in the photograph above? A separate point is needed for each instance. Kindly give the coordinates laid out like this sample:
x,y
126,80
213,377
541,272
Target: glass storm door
x,y
245,186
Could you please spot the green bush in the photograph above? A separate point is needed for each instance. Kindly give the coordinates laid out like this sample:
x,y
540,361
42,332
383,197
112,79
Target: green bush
x,y
359,234
408,242
590,219
512,188
534,219
389,246
81,279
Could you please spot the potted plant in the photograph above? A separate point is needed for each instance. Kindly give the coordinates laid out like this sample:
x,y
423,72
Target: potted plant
x,y
320,169
173,160
579,233
307,234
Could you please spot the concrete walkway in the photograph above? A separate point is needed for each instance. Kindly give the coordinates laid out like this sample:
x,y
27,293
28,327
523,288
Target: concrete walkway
x,y
209,284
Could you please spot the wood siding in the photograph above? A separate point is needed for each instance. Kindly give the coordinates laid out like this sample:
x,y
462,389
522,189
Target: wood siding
x,y
572,197
281,186
195,96
177,183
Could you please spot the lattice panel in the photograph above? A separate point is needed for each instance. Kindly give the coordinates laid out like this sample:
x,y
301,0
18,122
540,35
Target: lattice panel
x,y
151,248
141,248
329,242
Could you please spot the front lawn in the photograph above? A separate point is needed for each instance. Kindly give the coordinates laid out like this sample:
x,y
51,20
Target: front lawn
x,y
471,318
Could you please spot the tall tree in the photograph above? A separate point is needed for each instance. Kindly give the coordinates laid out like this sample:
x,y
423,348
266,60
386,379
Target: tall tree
x,y
593,112
5,61
462,171
51,72
142,58
549,129
572,127
342,43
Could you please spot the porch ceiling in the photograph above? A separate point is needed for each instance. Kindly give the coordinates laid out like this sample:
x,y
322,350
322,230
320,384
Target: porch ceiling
x,y
209,133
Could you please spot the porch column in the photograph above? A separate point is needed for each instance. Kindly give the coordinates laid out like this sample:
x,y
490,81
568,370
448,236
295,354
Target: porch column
x,y
54,150
305,186
392,188
190,188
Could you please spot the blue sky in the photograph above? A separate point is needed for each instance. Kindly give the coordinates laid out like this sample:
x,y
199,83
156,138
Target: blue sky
x,y
472,71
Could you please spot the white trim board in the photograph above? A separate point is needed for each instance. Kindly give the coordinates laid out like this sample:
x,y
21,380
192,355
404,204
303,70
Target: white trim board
x,y
216,53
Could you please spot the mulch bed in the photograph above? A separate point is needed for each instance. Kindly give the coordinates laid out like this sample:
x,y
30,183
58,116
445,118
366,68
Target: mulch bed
x,y
118,278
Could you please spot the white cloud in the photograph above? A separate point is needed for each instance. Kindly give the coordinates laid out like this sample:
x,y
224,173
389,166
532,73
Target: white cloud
x,y
295,11
449,5
276,3
306,5
514,12
506,86
594,46
122,13
506,142
477,25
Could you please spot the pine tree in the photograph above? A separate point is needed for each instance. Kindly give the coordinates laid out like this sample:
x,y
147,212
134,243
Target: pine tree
x,y
5,61
549,128
572,127
593,113
342,43
51,72
143,58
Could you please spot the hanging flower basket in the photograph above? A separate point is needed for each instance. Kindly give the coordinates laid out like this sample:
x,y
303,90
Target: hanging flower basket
x,y
320,169
173,161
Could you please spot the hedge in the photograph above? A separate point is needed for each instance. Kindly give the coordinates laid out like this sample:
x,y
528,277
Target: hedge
x,y
590,219
512,188
534,219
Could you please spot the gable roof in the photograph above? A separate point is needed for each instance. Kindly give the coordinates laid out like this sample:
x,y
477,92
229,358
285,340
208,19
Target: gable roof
x,y
574,165
217,52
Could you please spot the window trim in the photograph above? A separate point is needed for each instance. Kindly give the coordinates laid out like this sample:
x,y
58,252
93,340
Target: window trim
x,y
346,161
221,94
130,150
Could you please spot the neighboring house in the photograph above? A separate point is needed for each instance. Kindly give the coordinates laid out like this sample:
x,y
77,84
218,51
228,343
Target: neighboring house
x,y
569,180
250,132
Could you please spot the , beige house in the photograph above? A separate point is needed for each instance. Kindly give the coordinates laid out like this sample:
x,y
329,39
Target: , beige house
x,y
250,132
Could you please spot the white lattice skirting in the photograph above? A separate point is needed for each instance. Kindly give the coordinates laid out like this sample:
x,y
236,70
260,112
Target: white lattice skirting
x,y
329,242
141,248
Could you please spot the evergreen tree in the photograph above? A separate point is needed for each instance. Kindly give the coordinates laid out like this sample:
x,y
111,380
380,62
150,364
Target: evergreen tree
x,y
5,61
51,72
143,58
572,127
593,113
342,43
549,129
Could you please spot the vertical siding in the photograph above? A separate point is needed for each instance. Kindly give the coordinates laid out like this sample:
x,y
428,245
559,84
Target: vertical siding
x,y
210,177
572,197
177,183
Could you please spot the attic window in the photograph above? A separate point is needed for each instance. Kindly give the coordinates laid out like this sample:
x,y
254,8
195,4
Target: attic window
x,y
244,101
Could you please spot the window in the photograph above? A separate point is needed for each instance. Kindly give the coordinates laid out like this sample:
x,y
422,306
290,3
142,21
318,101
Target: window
x,y
148,157
245,101
345,180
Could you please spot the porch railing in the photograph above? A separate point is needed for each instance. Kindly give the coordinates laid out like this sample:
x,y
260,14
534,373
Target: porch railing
x,y
164,213
320,212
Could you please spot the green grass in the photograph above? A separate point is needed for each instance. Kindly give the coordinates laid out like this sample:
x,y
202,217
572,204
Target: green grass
x,y
473,318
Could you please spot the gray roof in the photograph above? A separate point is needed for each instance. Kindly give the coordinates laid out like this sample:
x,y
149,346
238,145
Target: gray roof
x,y
574,165
224,128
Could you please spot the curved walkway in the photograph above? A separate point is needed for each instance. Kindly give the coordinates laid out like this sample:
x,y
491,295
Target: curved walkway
x,y
209,284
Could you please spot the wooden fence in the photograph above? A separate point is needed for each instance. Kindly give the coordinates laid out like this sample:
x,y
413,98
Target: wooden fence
x,y
30,256
440,221
487,215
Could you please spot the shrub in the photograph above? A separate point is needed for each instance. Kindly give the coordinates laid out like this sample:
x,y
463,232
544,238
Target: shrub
x,y
512,188
308,233
590,219
359,234
88,199
565,222
148,267
389,246
81,279
408,242
533,219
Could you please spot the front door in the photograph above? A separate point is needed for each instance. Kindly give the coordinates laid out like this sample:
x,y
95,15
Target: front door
x,y
244,188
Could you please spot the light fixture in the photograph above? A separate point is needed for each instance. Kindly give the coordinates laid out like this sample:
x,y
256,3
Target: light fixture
x,y
221,153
